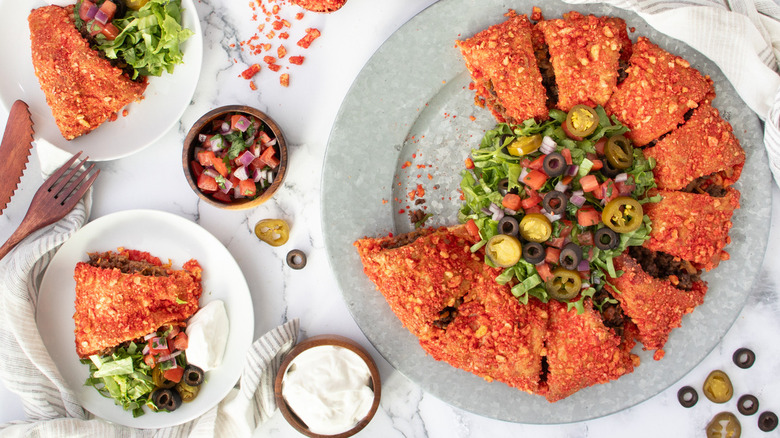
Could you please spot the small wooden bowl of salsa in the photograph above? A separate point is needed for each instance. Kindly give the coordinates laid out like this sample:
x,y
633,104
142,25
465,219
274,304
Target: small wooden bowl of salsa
x,y
235,157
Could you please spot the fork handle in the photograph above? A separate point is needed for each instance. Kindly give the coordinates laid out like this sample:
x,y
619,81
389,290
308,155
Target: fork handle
x,y
24,230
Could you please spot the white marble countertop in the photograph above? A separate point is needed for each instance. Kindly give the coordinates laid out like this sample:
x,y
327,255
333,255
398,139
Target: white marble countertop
x,y
305,111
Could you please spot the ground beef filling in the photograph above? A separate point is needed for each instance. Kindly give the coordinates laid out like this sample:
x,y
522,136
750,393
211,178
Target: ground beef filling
x,y
125,265
709,184
447,315
611,313
664,266
548,74
406,238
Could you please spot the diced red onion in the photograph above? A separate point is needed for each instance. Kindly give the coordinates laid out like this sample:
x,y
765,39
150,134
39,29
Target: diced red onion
x,y
270,177
202,137
487,211
578,192
548,145
101,17
241,173
256,150
147,349
257,175
92,11
210,171
523,174
246,158
270,143
493,207
577,200
510,212
224,128
497,216
216,143
167,357
237,193
596,280
572,170
552,217
561,187
621,177
242,124
228,186
584,265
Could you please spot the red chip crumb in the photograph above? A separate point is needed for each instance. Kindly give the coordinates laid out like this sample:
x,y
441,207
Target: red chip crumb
x,y
297,60
299,15
252,86
269,60
284,35
284,79
251,71
311,35
274,67
281,52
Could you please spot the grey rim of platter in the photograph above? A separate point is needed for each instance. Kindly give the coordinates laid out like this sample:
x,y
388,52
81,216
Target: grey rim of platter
x,y
411,102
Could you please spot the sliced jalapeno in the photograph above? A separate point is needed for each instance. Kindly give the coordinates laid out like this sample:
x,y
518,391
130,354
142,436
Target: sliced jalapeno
x,y
564,284
724,425
275,232
717,387
535,227
619,152
504,250
581,121
623,214
187,392
159,379
525,145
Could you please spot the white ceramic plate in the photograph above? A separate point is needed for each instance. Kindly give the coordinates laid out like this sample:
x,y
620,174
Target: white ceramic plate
x,y
419,111
166,236
164,101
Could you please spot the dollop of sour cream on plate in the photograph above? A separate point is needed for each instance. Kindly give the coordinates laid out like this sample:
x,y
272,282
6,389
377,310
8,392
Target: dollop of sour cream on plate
x,y
207,331
328,388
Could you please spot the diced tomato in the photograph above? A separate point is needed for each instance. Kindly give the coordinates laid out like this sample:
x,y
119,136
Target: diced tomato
x,y
587,216
469,163
174,374
158,345
566,152
181,341
589,183
207,183
552,255
566,180
586,238
544,271
205,157
597,164
269,157
220,166
197,169
609,190
84,8
537,164
535,209
511,201
149,360
557,242
108,8
247,188
473,229
624,189
264,138
535,179
532,201
600,145
222,197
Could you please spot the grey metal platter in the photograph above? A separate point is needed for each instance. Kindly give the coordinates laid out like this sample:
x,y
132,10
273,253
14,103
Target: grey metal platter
x,y
409,120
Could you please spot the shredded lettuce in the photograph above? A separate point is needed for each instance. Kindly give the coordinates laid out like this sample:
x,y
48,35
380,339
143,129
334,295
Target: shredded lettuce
x,y
122,376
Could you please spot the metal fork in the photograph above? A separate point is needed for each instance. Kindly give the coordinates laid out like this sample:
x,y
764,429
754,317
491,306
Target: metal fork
x,y
56,198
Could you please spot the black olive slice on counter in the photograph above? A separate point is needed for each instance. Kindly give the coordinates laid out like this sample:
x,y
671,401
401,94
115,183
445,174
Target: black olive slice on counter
x,y
747,404
767,421
296,259
744,358
503,186
167,399
554,164
554,202
687,396
605,238
571,256
533,252
193,375
509,226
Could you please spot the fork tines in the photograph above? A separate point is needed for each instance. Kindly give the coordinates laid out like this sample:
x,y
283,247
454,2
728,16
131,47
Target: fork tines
x,y
71,187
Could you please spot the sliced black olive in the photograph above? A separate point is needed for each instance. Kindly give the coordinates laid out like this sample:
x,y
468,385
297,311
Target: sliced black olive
x,y
687,396
571,256
167,399
296,259
724,425
533,252
554,164
503,186
508,225
767,421
554,202
193,375
744,358
747,404
609,170
605,238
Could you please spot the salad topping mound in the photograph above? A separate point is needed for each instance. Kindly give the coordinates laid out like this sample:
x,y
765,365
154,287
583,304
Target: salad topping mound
x,y
554,202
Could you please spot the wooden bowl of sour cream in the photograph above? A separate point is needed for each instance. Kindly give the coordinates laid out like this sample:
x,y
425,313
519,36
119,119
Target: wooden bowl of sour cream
x,y
310,369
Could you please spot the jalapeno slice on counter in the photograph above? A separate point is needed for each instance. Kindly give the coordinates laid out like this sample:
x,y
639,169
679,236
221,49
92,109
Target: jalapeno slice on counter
x,y
619,152
525,145
581,121
504,250
535,227
275,232
564,284
623,214
717,387
724,425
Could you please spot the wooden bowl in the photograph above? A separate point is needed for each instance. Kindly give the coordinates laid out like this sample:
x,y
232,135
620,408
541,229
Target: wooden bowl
x,y
317,341
191,142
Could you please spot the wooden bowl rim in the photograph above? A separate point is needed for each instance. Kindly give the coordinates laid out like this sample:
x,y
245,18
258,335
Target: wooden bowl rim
x,y
207,118
318,341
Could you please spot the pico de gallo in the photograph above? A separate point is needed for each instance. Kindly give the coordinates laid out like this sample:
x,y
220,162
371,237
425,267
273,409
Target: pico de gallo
x,y
554,202
238,158
151,371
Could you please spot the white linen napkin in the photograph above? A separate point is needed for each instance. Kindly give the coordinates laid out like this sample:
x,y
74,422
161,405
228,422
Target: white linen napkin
x,y
741,36
51,407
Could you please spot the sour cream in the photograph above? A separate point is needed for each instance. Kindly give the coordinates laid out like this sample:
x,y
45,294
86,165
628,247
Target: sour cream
x,y
207,331
328,388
